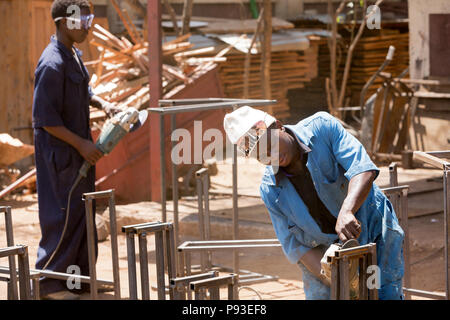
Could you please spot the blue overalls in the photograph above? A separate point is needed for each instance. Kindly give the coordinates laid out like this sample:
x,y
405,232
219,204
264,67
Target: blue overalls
x,y
336,157
61,98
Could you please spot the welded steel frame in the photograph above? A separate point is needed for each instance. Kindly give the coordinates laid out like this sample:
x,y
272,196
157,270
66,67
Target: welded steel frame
x,y
88,198
164,238
21,252
181,285
340,263
213,286
434,158
174,107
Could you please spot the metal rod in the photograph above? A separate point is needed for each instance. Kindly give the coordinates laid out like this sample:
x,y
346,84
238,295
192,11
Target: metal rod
x,y
91,246
159,251
114,246
12,285
425,294
201,221
210,106
235,217
406,251
232,247
163,167
131,257
143,261
24,274
344,282
446,209
173,124
171,257
205,183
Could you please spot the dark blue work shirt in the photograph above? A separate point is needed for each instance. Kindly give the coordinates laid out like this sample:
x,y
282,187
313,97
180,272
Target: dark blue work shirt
x,y
61,93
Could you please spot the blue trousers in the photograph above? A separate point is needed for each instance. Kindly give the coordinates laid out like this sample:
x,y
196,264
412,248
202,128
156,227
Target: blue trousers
x,y
57,167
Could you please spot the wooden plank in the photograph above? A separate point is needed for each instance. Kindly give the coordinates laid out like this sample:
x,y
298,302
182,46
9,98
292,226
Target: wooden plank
x,y
242,26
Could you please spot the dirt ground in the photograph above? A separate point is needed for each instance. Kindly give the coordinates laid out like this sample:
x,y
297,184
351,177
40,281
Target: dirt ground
x,y
426,237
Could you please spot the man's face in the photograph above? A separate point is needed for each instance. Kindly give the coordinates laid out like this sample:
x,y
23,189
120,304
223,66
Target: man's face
x,y
77,35
274,147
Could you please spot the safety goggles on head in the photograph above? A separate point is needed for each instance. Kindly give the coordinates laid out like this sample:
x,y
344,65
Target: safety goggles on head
x,y
259,144
84,22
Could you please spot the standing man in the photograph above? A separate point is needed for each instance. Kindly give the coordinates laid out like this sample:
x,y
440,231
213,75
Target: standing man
x,y
318,188
62,142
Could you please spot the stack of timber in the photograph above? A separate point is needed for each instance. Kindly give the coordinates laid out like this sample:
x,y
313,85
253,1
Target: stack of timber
x,y
121,72
370,53
288,70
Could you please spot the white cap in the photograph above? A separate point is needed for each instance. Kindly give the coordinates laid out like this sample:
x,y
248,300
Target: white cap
x,y
238,122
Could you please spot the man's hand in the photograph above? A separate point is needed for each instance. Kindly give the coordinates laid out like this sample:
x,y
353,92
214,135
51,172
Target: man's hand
x,y
89,151
110,108
347,226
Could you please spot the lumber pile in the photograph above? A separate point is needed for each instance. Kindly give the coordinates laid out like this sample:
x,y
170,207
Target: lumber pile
x,y
369,55
288,70
121,72
12,150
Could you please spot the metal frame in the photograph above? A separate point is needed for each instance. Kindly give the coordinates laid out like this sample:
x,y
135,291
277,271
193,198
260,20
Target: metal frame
x,y
249,277
88,198
164,238
340,282
213,285
24,271
11,270
433,159
173,107
181,285
204,221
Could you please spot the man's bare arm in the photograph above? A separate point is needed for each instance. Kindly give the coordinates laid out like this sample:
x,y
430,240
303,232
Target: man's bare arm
x,y
85,147
347,226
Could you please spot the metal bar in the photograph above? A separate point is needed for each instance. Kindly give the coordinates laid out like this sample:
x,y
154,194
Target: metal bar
x,y
152,227
406,253
201,221
431,160
235,218
163,167
207,217
159,251
24,274
226,242
344,293
393,190
98,194
143,261
232,247
210,106
171,257
446,209
425,294
173,125
214,293
114,246
187,256
372,257
131,257
179,284
91,246
130,228
212,282
362,278
393,181
182,102
12,285
36,289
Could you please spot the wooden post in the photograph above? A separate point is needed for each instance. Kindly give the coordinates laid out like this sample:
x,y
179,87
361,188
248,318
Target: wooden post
x,y
249,52
266,50
187,12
